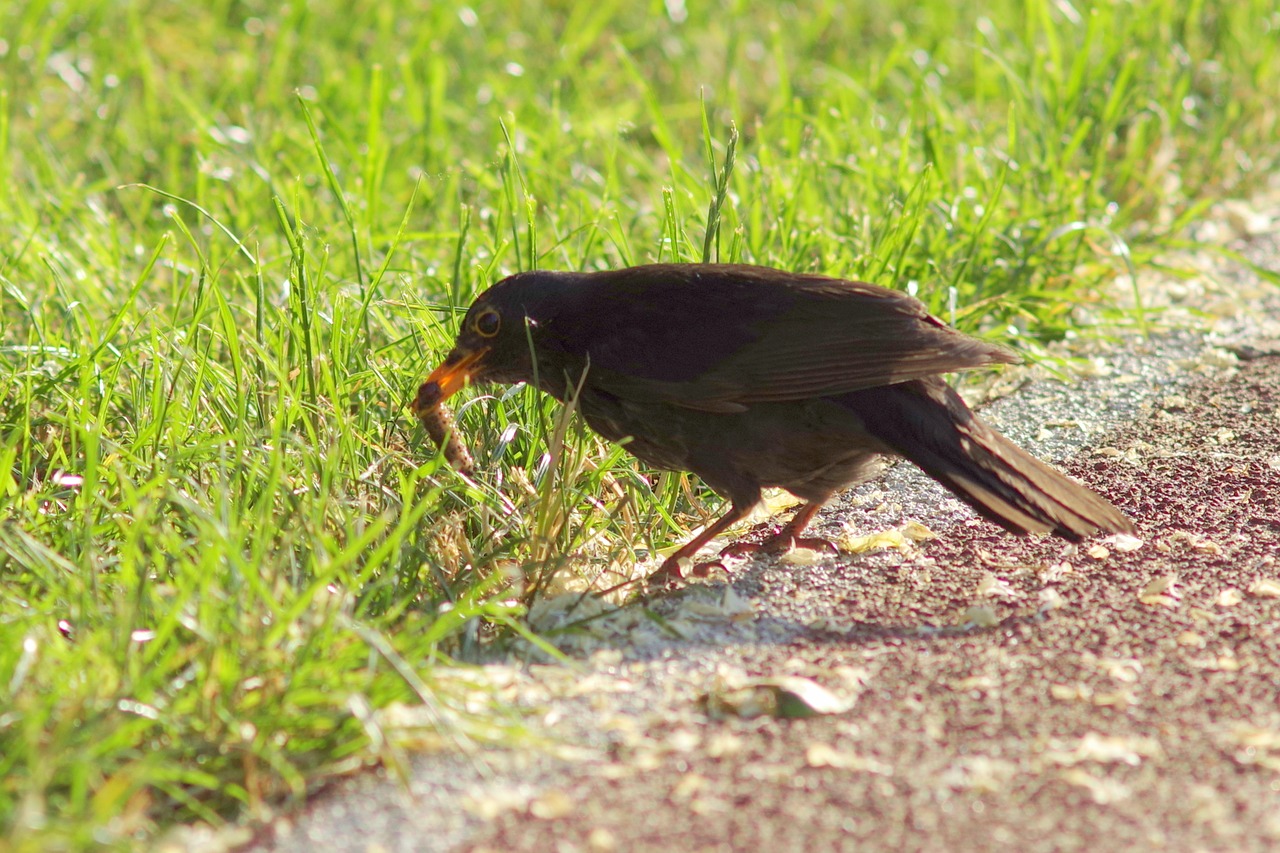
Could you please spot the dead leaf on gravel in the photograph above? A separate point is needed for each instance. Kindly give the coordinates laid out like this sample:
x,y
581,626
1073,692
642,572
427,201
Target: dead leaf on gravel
x,y
1051,599
991,586
1265,588
803,556
1084,693
552,805
1104,791
1244,218
548,614
1070,692
491,801
1229,597
900,538
643,760
1226,661
1196,541
1115,699
1162,585
1254,746
1125,670
724,605
824,755
1056,572
785,697
980,773
1200,616
1206,546
601,840
1222,436
599,683
1133,455
1098,748
689,784
1162,592
1124,543
683,741
980,616
602,658
1192,640
203,838
776,501
1209,360
853,676
834,624
979,683
707,805
622,727
723,744
1254,737
917,532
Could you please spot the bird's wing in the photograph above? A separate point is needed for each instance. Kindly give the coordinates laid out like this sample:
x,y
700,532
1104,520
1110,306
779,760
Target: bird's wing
x,y
720,337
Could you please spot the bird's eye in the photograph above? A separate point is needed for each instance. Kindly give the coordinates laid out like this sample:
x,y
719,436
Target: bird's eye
x,y
487,323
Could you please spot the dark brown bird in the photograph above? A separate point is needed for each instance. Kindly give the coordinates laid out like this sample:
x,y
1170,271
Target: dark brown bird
x,y
753,377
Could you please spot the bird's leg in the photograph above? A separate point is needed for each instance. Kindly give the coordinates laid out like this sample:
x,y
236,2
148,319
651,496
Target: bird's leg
x,y
671,568
786,538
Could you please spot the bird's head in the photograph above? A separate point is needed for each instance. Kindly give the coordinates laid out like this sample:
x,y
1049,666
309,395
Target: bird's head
x,y
497,338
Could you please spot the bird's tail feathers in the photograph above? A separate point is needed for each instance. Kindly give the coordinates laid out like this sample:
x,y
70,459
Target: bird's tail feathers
x,y
928,423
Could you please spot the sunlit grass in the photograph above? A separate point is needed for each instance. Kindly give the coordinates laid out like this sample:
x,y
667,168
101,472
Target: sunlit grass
x,y
233,239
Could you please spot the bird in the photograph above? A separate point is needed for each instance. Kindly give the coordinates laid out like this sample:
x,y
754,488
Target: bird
x,y
752,377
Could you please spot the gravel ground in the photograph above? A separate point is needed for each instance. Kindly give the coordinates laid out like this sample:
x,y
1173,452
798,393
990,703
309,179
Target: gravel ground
x,y
1004,693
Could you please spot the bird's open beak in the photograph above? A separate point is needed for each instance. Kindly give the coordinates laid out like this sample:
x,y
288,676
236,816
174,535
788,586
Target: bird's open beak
x,y
447,379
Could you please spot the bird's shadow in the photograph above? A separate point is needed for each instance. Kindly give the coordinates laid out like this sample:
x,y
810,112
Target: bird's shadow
x,y
665,606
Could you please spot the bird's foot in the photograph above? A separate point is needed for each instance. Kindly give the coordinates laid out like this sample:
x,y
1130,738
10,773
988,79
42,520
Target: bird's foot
x,y
677,568
779,543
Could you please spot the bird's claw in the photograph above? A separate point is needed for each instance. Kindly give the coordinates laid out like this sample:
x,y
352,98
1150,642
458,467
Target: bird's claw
x,y
815,543
779,544
675,570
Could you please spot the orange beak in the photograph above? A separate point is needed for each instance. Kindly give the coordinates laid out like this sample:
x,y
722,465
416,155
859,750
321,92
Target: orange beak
x,y
447,379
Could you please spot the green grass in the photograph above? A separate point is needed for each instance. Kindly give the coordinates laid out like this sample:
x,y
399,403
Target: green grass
x,y
234,239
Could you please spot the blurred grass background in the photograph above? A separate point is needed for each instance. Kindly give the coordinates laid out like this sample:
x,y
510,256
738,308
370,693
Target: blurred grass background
x,y
235,235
